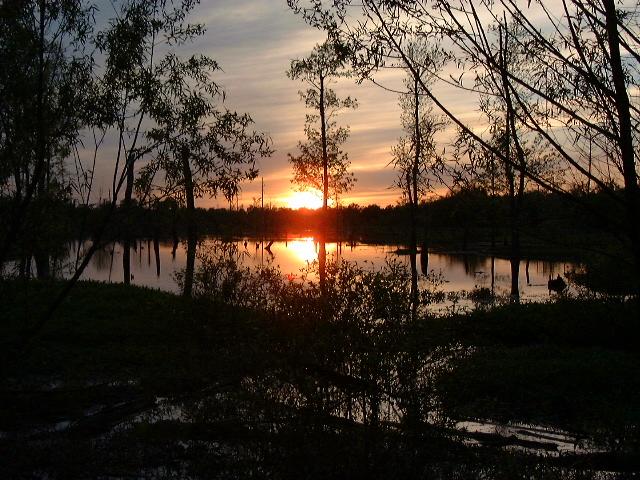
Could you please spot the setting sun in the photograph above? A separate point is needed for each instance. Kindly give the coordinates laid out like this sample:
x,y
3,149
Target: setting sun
x,y
304,199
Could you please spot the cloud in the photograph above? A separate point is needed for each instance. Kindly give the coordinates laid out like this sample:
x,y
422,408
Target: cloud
x,y
254,42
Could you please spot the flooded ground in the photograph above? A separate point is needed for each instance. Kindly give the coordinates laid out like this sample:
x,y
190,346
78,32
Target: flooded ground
x,y
450,273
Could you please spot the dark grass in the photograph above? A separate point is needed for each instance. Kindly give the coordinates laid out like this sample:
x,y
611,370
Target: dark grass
x,y
119,333
110,343
610,323
569,364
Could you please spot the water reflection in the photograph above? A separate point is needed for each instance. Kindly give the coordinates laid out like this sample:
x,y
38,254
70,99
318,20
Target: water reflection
x,y
304,249
459,272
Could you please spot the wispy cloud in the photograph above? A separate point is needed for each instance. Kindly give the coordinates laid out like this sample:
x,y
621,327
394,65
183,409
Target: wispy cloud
x,y
254,42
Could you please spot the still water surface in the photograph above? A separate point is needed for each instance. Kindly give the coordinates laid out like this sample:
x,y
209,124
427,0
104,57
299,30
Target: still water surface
x,y
460,272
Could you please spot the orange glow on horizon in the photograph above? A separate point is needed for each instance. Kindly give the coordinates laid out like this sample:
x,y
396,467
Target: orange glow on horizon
x,y
304,199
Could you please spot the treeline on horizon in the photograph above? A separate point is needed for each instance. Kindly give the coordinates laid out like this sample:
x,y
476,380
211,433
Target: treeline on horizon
x,y
465,220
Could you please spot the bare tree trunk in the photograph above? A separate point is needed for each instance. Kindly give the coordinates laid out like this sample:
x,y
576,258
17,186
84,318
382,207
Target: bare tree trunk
x,y
493,275
625,139
325,156
126,259
425,230
22,267
192,244
322,265
42,264
192,238
322,259
156,251
41,255
413,198
174,232
17,173
127,204
424,261
515,260
414,285
514,196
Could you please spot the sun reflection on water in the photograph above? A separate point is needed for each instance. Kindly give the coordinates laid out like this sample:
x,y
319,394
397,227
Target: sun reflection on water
x,y
292,255
304,249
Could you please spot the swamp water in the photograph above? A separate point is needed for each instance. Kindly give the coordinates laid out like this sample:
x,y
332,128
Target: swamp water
x,y
452,274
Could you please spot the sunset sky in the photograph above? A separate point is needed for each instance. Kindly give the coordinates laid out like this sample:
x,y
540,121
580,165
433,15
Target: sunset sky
x,y
254,42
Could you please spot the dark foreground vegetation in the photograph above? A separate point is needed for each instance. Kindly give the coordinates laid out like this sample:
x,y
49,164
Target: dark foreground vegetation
x,y
257,377
250,375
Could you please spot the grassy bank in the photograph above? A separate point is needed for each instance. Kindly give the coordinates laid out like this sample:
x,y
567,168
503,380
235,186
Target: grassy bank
x,y
126,381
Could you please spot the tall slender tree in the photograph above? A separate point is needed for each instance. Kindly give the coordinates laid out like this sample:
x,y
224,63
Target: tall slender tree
x,y
507,135
419,164
200,149
131,44
322,164
415,157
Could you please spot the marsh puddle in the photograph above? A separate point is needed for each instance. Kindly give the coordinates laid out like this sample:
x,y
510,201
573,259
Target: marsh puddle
x,y
531,438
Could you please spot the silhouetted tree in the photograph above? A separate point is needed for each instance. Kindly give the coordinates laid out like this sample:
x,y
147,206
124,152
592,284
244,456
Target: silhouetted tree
x,y
322,164
572,92
200,149
480,167
163,113
43,65
415,157
130,83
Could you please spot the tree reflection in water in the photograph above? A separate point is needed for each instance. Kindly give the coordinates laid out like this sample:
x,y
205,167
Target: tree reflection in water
x,y
350,390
